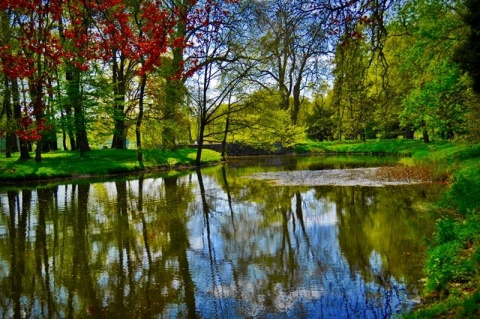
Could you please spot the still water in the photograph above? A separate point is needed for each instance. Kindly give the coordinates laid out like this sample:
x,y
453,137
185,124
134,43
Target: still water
x,y
214,243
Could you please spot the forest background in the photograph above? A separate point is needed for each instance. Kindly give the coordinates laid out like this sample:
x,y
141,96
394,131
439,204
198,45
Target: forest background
x,y
77,75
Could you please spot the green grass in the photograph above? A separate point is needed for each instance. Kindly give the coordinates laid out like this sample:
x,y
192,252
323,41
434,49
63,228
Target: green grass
x,y
391,147
97,163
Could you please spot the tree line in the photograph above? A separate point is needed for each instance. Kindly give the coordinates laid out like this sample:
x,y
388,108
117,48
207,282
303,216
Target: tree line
x,y
78,73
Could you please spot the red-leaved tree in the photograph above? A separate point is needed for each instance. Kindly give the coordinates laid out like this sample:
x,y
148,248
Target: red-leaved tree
x,y
37,49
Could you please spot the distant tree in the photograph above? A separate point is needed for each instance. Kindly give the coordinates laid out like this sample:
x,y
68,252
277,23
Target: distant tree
x,y
351,88
290,44
320,124
262,126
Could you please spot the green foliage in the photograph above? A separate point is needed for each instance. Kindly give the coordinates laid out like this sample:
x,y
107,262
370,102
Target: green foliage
x,y
452,269
464,194
470,308
443,266
453,259
445,231
436,98
320,124
438,310
350,93
438,101
467,53
264,124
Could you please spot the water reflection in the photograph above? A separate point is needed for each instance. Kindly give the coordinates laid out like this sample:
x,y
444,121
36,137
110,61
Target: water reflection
x,y
210,245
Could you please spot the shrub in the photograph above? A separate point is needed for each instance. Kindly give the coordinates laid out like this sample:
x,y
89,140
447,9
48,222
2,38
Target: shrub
x,y
464,195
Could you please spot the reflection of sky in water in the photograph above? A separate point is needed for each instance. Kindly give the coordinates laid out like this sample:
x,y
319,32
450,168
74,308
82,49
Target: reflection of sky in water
x,y
257,259
320,285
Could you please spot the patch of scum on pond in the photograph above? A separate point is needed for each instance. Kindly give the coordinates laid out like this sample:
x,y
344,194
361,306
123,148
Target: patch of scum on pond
x,y
372,176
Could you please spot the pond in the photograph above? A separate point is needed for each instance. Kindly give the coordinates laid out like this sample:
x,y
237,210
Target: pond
x,y
215,243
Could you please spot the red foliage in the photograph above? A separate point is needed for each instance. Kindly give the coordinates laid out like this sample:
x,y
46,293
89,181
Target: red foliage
x,y
51,32
30,130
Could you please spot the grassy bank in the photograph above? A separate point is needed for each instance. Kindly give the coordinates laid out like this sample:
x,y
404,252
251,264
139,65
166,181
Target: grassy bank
x,y
64,164
453,265
391,147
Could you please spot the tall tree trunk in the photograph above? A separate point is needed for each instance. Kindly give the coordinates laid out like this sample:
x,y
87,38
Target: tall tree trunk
x,y
119,89
297,91
201,132
296,103
50,137
70,127
409,132
138,133
173,97
36,91
426,139
17,114
174,93
224,140
76,101
7,108
64,131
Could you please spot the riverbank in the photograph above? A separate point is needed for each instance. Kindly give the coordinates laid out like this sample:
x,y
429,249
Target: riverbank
x,y
452,283
105,162
452,269
396,147
97,163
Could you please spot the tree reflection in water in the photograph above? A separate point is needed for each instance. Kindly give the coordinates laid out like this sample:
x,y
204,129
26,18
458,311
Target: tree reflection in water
x,y
210,244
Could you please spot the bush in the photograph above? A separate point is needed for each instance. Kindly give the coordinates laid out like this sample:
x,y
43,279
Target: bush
x,y
442,266
464,195
445,231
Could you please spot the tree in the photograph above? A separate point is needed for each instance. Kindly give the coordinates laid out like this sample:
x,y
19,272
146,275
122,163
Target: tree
x,y
291,42
78,30
467,54
320,124
435,101
262,126
196,19
39,50
216,76
351,88
154,28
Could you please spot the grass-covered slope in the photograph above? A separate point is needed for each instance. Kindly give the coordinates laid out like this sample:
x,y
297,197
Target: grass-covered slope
x,y
453,265
97,163
392,147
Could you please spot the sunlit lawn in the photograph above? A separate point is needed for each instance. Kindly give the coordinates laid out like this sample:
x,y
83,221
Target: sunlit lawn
x,y
97,162
394,147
